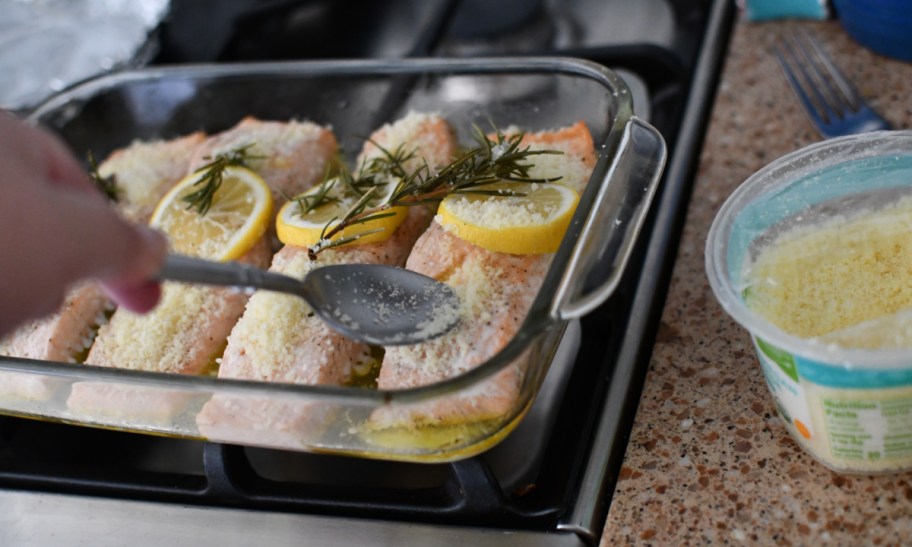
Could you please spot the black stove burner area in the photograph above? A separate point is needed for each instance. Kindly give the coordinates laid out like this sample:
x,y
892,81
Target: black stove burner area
x,y
658,41
517,484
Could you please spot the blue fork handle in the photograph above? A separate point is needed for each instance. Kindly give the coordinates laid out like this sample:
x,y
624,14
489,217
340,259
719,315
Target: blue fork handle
x,y
831,102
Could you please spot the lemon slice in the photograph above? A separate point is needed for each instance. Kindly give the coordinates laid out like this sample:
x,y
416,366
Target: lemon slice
x,y
511,222
293,228
239,215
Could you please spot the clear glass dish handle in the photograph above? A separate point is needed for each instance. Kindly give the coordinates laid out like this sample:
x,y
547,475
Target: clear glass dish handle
x,y
621,206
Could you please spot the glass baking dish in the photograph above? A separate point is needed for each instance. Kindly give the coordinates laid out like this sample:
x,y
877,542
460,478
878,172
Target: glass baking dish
x,y
355,97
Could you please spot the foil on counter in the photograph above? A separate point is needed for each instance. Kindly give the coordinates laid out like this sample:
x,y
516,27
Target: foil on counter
x,y
48,45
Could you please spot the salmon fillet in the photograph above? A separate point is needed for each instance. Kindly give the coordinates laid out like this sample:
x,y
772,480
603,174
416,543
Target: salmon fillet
x,y
20,386
279,339
496,291
66,335
143,406
184,334
187,331
574,166
428,135
290,156
190,325
144,172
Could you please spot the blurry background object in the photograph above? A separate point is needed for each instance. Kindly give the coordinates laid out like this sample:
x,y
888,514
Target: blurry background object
x,y
884,26
765,10
46,45
830,100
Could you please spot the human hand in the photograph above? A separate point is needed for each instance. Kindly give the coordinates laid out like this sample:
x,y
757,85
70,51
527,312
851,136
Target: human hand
x,y
57,228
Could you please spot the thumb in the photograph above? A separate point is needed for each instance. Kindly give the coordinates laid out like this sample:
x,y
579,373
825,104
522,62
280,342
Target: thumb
x,y
135,289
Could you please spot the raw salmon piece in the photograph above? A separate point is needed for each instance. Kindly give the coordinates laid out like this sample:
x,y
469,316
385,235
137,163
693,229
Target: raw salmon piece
x,y
428,135
182,335
65,335
20,386
264,421
144,172
574,166
280,340
187,331
290,156
189,327
496,290
109,403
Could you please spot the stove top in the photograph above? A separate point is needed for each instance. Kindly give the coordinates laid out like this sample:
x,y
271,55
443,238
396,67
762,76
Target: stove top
x,y
550,481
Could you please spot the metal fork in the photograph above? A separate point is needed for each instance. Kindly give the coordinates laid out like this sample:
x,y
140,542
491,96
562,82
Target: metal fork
x,y
831,102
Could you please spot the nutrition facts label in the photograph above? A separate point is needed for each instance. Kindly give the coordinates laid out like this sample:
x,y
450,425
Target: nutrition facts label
x,y
869,429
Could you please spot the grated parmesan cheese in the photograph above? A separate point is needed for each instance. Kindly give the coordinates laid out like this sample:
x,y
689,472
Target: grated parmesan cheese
x,y
176,337
145,171
280,147
503,212
425,131
813,281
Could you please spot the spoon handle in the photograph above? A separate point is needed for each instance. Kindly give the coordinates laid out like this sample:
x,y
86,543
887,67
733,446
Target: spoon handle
x,y
196,270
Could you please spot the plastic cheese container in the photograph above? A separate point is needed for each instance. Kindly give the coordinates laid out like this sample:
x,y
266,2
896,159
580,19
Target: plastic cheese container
x,y
813,256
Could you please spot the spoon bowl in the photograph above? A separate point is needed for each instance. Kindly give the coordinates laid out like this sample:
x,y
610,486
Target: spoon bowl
x,y
371,303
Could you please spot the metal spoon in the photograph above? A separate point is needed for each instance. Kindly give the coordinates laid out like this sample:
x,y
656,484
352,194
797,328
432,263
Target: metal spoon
x,y
371,303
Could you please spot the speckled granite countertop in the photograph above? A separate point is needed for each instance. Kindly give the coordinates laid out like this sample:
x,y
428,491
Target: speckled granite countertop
x,y
708,460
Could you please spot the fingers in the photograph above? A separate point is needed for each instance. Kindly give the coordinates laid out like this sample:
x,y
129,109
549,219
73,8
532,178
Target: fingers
x,y
43,153
138,299
133,287
52,238
62,167
110,248
55,229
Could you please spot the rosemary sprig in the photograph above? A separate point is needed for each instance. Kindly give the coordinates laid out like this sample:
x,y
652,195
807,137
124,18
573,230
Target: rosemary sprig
x,y
491,160
373,174
212,175
389,162
107,185
357,215
320,197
